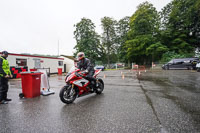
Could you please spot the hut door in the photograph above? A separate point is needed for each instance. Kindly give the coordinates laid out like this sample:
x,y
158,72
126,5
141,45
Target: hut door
x,y
65,68
37,63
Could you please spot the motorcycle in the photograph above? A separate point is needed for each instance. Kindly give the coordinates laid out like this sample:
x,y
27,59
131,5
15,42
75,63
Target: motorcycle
x,y
77,85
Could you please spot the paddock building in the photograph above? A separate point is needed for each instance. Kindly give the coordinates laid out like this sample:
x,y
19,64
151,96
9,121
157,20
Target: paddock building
x,y
23,62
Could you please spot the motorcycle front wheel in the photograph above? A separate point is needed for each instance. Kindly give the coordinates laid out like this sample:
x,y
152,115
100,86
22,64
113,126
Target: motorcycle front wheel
x,y
67,94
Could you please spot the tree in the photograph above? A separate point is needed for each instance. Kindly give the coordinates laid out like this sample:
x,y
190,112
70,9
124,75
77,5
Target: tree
x,y
181,32
165,14
87,39
122,35
156,50
109,37
144,31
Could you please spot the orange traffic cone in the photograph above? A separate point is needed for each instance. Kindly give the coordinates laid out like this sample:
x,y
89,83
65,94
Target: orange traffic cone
x,y
123,76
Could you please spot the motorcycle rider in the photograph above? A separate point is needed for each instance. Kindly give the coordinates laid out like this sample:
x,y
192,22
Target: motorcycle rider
x,y
84,64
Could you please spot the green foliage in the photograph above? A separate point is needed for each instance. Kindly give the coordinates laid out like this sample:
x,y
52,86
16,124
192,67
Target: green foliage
x,y
122,35
144,37
145,20
166,57
181,26
144,29
87,39
156,50
109,37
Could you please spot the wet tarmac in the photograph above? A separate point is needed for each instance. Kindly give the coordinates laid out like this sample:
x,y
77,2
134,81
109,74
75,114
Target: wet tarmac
x,y
155,102
175,97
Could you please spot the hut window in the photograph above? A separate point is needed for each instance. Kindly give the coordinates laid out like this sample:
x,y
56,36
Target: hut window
x,y
60,63
21,62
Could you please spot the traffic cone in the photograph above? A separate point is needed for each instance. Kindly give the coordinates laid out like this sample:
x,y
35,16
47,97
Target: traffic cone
x,y
123,76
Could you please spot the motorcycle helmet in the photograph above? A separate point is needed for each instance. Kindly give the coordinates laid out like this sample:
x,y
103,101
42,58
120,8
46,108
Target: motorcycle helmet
x,y
80,56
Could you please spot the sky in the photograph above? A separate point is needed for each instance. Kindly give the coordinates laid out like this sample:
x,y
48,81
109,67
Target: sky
x,y
47,26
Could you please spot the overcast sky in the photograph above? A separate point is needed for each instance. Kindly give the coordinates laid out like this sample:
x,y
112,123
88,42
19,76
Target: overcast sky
x,y
35,26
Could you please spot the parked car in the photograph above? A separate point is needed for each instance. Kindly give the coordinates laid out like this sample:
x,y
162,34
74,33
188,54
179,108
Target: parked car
x,y
198,67
117,65
99,67
181,63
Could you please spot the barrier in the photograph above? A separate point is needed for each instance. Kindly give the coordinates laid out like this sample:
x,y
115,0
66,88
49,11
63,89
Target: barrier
x,y
135,67
45,83
16,71
139,68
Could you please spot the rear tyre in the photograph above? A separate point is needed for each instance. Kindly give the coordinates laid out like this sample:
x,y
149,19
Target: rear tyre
x,y
68,94
100,86
190,68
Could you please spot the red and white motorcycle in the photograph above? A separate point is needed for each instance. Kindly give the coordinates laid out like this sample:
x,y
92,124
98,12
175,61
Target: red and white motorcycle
x,y
77,85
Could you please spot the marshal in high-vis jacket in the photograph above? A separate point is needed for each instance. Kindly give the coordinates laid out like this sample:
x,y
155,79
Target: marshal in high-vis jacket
x,y
4,67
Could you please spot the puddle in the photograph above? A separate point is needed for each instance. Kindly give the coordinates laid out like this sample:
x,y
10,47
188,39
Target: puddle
x,y
182,88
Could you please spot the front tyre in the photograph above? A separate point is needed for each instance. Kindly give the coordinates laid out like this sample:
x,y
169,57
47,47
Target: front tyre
x,y
68,94
166,67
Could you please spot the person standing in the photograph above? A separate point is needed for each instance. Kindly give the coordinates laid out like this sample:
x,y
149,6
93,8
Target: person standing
x,y
5,74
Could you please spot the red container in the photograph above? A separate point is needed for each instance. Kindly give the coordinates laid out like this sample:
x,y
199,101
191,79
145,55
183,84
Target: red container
x,y
59,71
32,70
31,84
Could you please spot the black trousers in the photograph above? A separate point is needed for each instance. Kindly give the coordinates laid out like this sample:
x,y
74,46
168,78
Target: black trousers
x,y
90,77
3,88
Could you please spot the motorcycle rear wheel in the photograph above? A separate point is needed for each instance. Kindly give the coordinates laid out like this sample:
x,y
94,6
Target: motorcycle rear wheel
x,y
100,88
67,94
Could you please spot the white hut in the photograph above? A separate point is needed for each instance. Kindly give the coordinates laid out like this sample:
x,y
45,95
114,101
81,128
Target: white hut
x,y
68,62
23,62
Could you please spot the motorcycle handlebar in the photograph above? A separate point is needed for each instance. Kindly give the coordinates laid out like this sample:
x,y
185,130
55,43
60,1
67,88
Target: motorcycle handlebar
x,y
78,75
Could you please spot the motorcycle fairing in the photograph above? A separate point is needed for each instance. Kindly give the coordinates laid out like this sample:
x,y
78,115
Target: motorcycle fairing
x,y
81,82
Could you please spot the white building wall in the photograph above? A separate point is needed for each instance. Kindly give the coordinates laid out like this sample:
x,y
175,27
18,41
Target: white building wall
x,y
12,60
51,63
69,63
